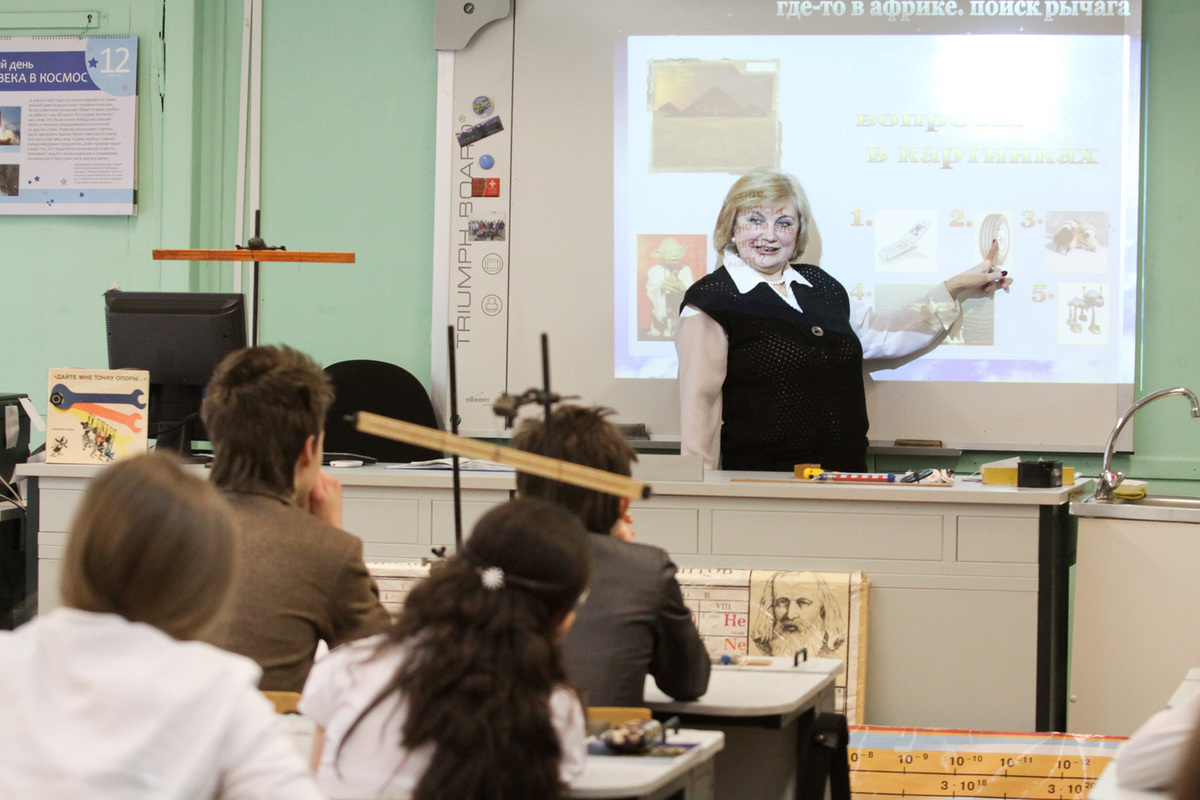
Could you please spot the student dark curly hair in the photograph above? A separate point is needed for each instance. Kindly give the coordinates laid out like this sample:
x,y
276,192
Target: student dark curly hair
x,y
466,698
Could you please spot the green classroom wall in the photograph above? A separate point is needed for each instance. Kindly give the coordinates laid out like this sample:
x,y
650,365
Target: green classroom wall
x,y
349,94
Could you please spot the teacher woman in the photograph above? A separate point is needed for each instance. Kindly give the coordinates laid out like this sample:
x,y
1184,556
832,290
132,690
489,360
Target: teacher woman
x,y
771,352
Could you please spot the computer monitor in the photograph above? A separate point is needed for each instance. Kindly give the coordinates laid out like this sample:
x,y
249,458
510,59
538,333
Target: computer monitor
x,y
179,337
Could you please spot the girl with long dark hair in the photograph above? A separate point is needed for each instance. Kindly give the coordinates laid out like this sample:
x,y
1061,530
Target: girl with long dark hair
x,y
466,698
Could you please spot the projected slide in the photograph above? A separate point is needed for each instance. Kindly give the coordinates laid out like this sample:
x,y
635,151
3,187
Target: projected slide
x,y
916,152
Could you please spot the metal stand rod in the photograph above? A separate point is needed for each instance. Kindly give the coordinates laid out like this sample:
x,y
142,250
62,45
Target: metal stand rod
x,y
548,405
458,537
254,281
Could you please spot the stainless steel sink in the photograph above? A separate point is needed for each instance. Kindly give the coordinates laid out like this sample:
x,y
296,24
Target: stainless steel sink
x,y
1167,501
1154,508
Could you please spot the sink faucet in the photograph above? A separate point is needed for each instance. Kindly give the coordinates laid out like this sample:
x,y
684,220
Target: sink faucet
x,y
1110,480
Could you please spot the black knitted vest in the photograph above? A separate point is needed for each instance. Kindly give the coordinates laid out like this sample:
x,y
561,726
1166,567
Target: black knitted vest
x,y
793,389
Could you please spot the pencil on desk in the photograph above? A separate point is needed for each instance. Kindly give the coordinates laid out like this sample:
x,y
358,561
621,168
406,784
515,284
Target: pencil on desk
x,y
740,661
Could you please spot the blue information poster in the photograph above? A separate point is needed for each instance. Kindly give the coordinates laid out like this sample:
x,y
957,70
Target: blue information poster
x,y
68,125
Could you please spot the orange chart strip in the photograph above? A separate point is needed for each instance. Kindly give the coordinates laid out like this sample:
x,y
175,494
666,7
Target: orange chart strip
x,y
938,775
296,256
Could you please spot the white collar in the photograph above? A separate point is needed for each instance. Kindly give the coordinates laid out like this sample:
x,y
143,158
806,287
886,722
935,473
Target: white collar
x,y
746,277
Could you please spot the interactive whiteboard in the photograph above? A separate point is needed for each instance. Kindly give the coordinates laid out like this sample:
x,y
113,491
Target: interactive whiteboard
x,y
921,132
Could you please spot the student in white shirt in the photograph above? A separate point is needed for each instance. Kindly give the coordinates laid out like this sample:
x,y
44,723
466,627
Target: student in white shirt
x,y
107,697
1187,787
466,697
1154,756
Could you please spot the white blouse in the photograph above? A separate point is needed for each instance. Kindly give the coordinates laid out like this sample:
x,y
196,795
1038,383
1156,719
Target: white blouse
x,y
703,348
374,763
1153,757
93,705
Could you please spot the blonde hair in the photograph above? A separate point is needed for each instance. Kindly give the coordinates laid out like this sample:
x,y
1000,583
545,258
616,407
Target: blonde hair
x,y
762,187
152,544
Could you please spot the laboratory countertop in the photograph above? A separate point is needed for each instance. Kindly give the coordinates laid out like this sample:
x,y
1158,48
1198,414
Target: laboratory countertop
x,y
715,484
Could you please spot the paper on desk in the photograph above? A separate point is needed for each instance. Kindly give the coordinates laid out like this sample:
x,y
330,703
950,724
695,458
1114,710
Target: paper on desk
x,y
826,666
12,426
472,464
34,416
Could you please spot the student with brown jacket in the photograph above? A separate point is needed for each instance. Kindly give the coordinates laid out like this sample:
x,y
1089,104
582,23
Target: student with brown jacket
x,y
302,577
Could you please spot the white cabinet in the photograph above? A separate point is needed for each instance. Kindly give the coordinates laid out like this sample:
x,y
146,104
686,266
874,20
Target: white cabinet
x,y
1137,594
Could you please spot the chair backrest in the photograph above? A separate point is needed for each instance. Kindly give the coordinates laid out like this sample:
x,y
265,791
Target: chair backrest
x,y
285,702
615,715
381,388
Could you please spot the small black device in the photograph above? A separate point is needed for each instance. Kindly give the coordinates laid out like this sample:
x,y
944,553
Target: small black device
x,y
1039,474
914,477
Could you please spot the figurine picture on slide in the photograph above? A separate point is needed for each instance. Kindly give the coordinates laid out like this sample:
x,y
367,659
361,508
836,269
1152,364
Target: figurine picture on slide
x,y
1077,242
798,610
1084,313
713,115
667,266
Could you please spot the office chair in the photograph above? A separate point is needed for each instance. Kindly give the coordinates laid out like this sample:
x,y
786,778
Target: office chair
x,y
615,715
381,388
603,718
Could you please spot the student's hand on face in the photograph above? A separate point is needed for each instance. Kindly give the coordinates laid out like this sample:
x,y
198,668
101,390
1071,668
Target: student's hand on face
x,y
325,499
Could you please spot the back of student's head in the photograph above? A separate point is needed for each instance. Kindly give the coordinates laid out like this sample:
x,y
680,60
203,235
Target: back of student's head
x,y
261,406
483,631
152,544
582,436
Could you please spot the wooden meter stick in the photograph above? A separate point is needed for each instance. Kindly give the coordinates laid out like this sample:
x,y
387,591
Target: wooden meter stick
x,y
552,468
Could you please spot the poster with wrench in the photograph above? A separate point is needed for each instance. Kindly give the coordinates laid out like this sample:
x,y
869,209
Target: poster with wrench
x,y
94,416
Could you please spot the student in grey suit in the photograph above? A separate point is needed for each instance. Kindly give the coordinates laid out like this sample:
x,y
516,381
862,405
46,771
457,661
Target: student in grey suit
x,y
634,622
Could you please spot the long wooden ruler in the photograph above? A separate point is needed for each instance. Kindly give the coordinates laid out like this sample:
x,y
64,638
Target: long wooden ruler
x,y
935,764
552,468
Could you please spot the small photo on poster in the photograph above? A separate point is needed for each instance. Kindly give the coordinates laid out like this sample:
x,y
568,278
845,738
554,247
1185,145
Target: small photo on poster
x,y
486,227
667,264
10,129
10,180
